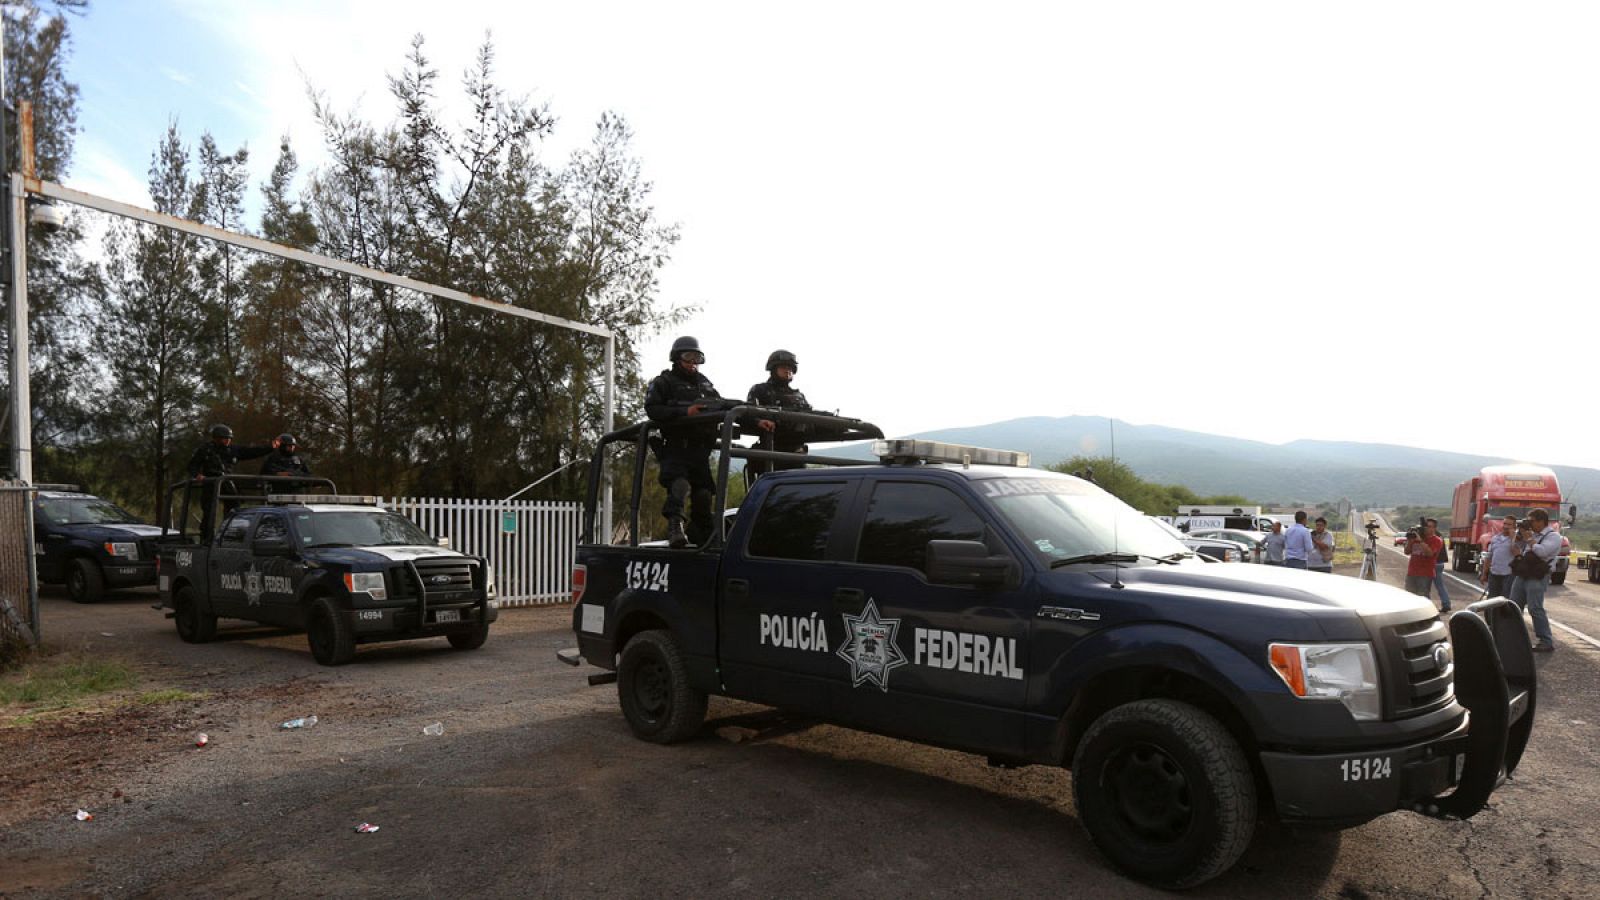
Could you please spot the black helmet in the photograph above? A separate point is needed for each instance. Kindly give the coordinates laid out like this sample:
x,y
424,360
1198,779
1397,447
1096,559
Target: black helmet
x,y
221,431
287,440
782,358
687,344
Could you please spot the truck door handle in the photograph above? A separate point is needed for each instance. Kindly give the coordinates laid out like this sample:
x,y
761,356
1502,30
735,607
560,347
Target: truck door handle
x,y
848,599
738,589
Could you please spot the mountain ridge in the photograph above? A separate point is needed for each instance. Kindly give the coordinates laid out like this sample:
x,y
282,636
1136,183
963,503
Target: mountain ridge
x,y
1299,470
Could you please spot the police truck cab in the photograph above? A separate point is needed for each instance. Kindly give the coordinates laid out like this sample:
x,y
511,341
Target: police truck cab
x,y
339,567
954,596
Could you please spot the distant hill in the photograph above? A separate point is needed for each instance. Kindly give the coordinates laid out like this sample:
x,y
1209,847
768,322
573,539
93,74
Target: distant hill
x,y
1367,474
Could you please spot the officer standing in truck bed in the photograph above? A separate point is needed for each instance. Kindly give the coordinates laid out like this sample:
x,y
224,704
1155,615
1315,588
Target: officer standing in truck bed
x,y
215,459
778,391
684,451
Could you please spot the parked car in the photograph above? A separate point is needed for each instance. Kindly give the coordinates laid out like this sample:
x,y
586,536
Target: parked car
x,y
1219,549
1254,540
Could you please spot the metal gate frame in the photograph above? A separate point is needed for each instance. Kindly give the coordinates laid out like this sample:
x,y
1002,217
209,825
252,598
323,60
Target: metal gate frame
x,y
26,187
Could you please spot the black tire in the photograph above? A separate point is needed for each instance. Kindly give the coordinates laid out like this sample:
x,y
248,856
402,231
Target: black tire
x,y
328,632
85,582
653,688
1165,792
1558,577
195,625
1594,570
469,640
1463,560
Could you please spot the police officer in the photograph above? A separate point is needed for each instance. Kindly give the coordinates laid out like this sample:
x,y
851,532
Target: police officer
x,y
684,451
284,458
218,457
214,460
777,392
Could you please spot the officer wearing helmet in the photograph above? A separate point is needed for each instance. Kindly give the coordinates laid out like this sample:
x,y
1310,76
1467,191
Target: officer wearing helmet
x,y
213,460
684,450
285,458
217,458
777,392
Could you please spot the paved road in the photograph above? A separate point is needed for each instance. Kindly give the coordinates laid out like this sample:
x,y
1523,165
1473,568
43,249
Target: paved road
x,y
536,787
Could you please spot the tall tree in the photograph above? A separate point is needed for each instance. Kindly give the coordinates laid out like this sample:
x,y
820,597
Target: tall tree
x,y
38,46
219,197
151,333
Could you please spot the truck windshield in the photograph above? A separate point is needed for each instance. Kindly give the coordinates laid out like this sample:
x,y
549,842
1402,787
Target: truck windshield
x,y
83,511
1521,512
1061,519
359,529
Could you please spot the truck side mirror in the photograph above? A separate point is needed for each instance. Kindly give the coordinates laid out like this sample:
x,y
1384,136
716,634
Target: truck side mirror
x,y
966,562
1572,515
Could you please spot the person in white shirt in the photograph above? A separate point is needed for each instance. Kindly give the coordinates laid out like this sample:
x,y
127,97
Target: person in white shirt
x,y
1528,587
1494,568
1274,543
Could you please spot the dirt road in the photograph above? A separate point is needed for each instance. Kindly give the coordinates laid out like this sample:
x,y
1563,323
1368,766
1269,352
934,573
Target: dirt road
x,y
536,787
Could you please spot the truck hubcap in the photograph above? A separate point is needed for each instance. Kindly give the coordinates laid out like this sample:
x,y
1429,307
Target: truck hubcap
x,y
650,688
1150,792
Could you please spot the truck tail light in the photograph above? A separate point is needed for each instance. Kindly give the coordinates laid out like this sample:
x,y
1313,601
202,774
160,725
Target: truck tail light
x,y
580,581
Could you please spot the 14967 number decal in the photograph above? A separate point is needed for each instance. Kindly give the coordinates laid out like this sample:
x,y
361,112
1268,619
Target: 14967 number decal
x,y
1367,769
647,576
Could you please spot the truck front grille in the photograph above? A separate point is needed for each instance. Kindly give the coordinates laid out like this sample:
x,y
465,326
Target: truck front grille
x,y
443,576
1415,681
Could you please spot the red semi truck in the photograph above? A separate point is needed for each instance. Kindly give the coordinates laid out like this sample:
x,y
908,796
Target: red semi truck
x,y
1486,498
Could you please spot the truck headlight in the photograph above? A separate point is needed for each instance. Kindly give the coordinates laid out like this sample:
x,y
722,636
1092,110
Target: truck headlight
x,y
369,583
1346,672
131,551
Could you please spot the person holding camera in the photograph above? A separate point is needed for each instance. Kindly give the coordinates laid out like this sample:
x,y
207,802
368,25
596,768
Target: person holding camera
x,y
1438,569
1494,567
1531,568
1321,559
1422,548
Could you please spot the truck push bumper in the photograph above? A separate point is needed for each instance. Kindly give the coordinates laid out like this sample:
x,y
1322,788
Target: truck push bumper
x,y
1448,776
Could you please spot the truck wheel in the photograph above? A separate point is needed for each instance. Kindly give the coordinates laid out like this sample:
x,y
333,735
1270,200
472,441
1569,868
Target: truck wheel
x,y
1165,792
470,640
1594,570
195,626
653,687
332,641
85,582
1558,577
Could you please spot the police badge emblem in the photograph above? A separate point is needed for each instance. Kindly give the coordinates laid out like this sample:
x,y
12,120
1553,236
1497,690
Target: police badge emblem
x,y
870,647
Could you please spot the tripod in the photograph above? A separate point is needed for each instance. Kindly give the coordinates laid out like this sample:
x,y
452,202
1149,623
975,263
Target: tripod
x,y
1369,556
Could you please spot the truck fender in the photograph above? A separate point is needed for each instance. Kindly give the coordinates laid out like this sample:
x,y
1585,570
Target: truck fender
x,y
634,611
1126,663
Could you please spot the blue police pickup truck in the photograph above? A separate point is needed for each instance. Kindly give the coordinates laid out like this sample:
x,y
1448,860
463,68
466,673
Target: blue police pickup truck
x,y
952,596
339,567
91,545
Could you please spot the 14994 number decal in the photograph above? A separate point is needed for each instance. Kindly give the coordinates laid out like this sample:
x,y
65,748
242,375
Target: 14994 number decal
x,y
647,576
1367,769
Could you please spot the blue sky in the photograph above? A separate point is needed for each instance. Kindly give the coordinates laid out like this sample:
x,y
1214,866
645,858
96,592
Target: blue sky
x,y
959,213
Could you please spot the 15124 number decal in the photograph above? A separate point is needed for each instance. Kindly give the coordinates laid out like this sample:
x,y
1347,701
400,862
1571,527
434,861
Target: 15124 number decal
x,y
647,576
1367,769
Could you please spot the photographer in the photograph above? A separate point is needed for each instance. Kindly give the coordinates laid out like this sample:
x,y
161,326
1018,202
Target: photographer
x,y
1531,567
1438,569
1423,548
1494,567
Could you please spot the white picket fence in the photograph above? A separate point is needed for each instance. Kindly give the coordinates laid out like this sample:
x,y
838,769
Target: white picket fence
x,y
532,565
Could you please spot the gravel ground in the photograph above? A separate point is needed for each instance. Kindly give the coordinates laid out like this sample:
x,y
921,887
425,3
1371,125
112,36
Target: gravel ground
x,y
536,787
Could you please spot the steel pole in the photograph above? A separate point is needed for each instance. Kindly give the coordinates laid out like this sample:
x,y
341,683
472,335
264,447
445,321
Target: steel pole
x,y
610,425
21,401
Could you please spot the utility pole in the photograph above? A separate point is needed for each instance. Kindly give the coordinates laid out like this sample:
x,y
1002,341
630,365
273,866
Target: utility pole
x,y
20,405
